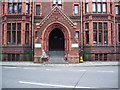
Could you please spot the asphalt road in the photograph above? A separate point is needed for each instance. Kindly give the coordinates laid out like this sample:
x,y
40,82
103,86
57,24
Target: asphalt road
x,y
60,77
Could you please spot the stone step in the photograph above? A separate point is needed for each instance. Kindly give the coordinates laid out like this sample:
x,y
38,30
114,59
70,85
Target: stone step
x,y
56,57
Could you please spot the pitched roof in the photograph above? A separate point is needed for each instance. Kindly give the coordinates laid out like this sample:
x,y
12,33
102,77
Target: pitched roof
x,y
52,11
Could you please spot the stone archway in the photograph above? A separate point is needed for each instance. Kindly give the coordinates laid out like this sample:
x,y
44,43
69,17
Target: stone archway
x,y
56,40
46,33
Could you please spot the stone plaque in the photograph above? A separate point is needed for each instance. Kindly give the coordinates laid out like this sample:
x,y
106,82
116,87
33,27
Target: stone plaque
x,y
75,45
37,45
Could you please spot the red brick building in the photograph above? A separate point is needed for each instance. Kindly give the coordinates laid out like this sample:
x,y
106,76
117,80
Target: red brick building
x,y
88,28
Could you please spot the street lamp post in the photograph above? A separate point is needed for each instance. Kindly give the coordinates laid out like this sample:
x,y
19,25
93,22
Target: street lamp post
x,y
33,30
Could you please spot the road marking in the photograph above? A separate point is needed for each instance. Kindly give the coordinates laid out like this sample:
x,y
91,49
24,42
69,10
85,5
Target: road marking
x,y
62,70
53,85
53,69
10,67
78,70
44,84
30,68
106,71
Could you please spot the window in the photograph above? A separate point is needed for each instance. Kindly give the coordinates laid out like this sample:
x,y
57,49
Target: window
x,y
9,26
10,1
36,34
8,33
13,57
96,57
117,9
3,9
27,26
9,8
27,37
58,2
8,37
111,8
15,0
3,34
60,6
99,0
18,33
9,57
19,0
93,0
18,37
19,8
101,55
77,34
103,0
105,57
112,34
13,33
54,1
27,34
27,1
119,32
99,7
104,8
95,33
100,34
37,9
14,26
86,8
87,32
87,1
27,8
105,33
76,9
14,7
18,26
94,7
17,57
14,37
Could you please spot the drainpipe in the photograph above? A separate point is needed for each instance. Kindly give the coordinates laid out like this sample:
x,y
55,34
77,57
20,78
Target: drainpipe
x,y
81,16
33,30
115,35
1,30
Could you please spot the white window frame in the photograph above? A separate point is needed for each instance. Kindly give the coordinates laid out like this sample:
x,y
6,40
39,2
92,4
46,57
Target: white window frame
x,y
99,7
87,8
59,1
117,10
94,7
104,7
76,9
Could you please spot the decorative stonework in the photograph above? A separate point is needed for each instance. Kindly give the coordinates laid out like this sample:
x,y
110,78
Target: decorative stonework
x,y
56,11
57,19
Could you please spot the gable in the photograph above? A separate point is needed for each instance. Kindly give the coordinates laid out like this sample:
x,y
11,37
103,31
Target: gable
x,y
57,12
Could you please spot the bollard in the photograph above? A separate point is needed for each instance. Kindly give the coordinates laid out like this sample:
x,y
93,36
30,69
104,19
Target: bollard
x,y
81,59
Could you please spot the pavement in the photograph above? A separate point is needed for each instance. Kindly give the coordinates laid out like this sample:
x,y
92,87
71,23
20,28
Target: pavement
x,y
84,64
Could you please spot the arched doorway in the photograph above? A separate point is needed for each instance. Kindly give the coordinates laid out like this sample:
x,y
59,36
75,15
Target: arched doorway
x,y
56,40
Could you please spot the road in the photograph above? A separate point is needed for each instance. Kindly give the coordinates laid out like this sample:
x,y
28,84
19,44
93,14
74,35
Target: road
x,y
60,77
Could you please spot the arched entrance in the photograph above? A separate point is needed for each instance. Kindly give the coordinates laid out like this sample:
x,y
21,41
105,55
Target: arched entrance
x,y
56,40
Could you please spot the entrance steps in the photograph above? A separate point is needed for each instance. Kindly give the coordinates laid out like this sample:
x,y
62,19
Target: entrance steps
x,y
56,57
